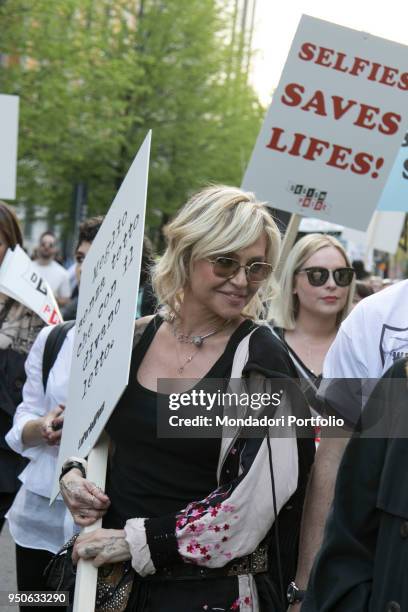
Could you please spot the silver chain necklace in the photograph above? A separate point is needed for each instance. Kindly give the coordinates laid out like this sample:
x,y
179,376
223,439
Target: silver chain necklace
x,y
196,340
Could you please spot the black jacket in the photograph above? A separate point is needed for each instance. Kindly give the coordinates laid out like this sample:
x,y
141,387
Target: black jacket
x,y
362,565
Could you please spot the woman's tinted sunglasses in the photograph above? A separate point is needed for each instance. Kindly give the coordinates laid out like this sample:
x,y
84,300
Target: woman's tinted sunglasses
x,y
226,267
317,276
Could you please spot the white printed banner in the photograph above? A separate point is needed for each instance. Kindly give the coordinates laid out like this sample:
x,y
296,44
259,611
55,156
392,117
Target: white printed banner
x,y
21,281
335,125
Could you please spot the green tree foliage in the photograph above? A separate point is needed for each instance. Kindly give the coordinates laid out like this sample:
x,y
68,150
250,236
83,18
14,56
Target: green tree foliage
x,y
95,75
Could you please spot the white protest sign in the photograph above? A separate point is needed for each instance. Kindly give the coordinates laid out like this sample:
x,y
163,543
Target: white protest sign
x,y
383,233
336,122
106,315
21,281
395,194
8,145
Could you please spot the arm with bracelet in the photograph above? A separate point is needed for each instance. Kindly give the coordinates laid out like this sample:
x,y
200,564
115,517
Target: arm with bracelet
x,y
86,502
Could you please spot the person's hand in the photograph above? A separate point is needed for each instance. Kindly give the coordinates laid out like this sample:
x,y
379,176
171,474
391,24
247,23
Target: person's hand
x,y
51,425
86,502
102,546
295,607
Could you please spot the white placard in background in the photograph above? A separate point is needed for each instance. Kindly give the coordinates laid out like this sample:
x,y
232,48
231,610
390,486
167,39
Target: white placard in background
x,y
106,314
335,125
21,281
8,145
383,233
395,194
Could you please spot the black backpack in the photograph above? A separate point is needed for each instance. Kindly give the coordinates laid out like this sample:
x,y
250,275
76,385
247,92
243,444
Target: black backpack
x,y
52,347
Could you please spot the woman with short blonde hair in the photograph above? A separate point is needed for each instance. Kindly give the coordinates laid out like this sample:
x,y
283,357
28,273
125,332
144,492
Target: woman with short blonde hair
x,y
316,294
215,220
193,514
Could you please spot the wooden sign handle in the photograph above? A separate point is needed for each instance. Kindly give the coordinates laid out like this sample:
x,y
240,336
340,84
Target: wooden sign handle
x,y
288,242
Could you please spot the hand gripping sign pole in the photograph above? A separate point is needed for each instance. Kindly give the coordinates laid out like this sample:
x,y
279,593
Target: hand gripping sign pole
x,y
103,340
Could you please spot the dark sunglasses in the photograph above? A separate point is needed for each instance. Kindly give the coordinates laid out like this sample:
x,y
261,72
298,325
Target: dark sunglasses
x,y
226,267
317,277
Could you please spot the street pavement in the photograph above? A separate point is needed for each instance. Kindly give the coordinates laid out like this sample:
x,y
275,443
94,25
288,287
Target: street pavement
x,y
7,566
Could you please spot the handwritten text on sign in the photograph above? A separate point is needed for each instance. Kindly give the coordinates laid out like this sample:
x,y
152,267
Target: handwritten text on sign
x,y
334,126
118,255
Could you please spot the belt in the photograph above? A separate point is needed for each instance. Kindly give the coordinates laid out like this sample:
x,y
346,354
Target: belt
x,y
255,563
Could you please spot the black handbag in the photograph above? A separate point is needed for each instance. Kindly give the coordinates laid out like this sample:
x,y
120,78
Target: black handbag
x,y
114,585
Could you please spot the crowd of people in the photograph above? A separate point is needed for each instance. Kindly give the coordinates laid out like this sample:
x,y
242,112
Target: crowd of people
x,y
236,523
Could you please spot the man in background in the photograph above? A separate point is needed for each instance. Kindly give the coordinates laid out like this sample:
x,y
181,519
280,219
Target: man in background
x,y
370,340
46,266
87,232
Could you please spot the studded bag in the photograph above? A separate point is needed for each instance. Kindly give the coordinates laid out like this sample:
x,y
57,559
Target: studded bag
x,y
113,588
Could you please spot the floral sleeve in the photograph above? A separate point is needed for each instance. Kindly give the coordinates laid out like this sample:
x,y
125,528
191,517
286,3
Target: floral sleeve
x,y
230,522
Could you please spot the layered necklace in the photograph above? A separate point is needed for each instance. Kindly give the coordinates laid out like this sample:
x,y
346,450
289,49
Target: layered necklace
x,y
195,340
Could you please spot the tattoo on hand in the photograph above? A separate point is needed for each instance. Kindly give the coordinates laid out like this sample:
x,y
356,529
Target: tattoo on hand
x,y
116,546
91,551
71,488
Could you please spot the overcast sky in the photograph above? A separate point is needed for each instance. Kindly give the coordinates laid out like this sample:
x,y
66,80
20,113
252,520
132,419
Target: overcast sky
x,y
276,23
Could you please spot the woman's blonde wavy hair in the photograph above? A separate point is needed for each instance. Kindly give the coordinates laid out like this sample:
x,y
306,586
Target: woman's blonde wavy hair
x,y
215,221
285,307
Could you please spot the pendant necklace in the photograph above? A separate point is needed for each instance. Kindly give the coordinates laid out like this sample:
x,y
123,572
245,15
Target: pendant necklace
x,y
188,360
196,340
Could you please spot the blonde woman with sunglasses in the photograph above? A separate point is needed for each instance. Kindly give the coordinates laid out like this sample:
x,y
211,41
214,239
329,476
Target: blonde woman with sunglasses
x,y
194,515
317,287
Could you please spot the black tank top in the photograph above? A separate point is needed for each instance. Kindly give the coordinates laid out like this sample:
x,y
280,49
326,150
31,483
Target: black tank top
x,y
150,476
